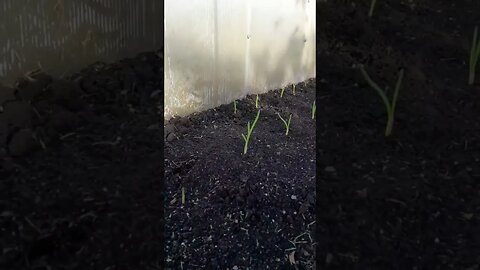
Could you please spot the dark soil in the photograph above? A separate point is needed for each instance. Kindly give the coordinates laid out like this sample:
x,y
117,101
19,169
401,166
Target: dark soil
x,y
412,200
252,211
81,168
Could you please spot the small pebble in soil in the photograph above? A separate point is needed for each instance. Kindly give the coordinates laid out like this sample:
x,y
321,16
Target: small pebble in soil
x,y
17,114
170,137
330,169
289,219
250,200
303,208
329,259
239,199
21,143
363,193
6,93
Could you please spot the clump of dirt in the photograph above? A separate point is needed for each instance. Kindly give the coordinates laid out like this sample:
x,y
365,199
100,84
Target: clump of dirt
x,y
410,201
252,211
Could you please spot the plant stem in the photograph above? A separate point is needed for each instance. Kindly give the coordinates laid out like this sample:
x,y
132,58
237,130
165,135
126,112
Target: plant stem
x,y
234,107
245,146
288,125
471,76
285,123
390,120
314,109
390,106
372,7
474,55
249,132
256,102
281,93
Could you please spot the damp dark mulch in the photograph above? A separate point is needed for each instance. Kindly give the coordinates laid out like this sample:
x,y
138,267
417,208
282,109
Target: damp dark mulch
x,y
252,211
412,200
80,168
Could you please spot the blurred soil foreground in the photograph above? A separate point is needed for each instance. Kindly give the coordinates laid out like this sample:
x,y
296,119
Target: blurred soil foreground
x,y
80,168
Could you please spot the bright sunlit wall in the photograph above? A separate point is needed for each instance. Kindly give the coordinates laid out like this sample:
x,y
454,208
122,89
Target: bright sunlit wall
x,y
220,50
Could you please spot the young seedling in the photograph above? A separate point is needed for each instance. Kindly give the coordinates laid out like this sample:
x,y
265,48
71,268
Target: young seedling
x,y
249,132
234,107
390,106
474,55
285,123
293,88
283,90
256,102
314,109
372,7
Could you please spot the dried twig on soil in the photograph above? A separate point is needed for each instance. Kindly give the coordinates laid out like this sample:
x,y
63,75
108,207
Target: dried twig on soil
x,y
63,137
113,143
474,55
295,240
249,132
285,123
28,75
390,106
33,225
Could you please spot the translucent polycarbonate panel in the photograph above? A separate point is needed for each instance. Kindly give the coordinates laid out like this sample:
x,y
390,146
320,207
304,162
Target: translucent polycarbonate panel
x,y
220,50
62,36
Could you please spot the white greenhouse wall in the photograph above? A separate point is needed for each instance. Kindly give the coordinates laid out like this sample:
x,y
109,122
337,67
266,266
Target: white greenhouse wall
x,y
62,36
220,50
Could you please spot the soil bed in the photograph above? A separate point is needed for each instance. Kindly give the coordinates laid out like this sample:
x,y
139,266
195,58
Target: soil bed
x,y
81,167
253,211
410,201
